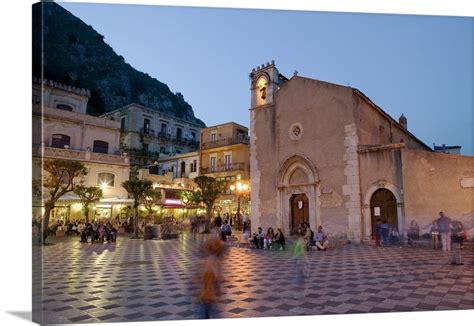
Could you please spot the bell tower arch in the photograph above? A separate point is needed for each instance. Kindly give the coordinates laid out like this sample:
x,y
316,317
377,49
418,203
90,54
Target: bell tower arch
x,y
264,84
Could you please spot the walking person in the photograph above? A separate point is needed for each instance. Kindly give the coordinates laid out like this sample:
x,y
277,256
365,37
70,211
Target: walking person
x,y
210,278
301,265
226,230
434,235
444,227
378,232
246,222
385,232
456,239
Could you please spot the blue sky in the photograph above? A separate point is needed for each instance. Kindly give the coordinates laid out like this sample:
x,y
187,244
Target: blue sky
x,y
421,66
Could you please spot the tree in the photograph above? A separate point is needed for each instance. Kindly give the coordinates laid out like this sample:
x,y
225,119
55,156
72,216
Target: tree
x,y
190,197
152,198
138,190
58,178
88,195
209,190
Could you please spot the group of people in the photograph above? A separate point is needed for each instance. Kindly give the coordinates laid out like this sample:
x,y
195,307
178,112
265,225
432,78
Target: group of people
x,y
97,232
268,240
276,240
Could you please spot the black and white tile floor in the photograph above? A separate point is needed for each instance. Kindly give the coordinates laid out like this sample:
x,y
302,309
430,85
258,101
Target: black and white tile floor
x,y
136,280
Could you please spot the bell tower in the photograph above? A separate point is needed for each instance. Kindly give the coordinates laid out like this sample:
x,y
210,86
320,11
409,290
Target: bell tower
x,y
264,84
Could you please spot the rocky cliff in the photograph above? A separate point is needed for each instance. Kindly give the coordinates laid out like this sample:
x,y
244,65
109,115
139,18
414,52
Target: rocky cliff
x,y
69,51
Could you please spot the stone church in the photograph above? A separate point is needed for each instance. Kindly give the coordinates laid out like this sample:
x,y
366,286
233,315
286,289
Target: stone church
x,y
327,155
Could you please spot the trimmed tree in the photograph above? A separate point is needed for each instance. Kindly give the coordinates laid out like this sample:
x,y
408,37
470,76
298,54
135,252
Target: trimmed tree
x,y
58,178
209,191
152,198
137,190
189,197
88,195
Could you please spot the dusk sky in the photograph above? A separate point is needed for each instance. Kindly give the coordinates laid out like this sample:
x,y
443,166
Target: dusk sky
x,y
421,66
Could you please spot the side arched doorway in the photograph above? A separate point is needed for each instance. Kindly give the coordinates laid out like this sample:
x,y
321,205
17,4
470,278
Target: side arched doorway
x,y
299,211
383,205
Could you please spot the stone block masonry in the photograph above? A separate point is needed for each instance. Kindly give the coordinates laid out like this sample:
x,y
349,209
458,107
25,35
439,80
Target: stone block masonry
x,y
352,187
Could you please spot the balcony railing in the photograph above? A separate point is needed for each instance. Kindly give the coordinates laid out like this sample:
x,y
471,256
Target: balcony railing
x,y
244,139
147,131
225,168
180,141
79,155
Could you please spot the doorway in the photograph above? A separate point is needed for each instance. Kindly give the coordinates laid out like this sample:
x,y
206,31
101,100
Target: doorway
x,y
383,205
299,211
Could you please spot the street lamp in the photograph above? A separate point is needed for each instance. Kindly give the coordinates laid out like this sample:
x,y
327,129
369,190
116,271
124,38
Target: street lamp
x,y
239,188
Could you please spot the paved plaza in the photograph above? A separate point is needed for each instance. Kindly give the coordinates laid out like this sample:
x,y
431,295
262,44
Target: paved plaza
x,y
136,280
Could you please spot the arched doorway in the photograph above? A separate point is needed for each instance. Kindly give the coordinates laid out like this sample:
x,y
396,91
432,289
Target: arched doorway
x,y
383,205
299,211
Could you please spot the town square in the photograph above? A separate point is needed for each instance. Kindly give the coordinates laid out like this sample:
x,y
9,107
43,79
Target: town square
x,y
135,280
207,163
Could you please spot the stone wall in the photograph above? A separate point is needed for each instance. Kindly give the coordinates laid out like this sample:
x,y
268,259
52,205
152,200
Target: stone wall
x,y
435,182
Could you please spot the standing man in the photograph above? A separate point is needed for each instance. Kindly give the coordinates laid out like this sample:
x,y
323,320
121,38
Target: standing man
x,y
218,220
444,228
246,222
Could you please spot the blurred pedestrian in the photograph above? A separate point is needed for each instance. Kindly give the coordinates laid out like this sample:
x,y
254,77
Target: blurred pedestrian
x,y
378,232
444,227
209,279
434,235
300,263
456,238
385,232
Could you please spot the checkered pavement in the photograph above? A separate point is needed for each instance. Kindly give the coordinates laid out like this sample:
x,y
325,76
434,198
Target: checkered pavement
x,y
136,280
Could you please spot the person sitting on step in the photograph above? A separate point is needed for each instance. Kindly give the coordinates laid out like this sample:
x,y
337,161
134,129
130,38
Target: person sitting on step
x,y
258,238
268,240
279,239
321,239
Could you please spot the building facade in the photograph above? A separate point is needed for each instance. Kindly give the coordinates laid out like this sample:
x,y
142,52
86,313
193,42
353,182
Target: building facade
x,y
148,134
327,155
224,155
62,130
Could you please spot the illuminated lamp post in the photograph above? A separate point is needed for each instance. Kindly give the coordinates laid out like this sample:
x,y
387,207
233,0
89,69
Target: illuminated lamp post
x,y
240,188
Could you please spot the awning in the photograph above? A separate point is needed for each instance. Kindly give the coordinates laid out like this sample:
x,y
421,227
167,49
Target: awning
x,y
72,197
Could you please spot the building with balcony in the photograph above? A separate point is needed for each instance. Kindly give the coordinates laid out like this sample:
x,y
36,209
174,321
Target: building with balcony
x,y
224,155
62,130
171,176
148,134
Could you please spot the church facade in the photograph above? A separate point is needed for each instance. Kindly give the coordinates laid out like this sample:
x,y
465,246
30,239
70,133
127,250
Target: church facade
x,y
327,155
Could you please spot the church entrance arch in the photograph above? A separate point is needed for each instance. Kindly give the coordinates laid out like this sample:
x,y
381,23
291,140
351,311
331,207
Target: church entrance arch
x,y
299,211
383,205
298,194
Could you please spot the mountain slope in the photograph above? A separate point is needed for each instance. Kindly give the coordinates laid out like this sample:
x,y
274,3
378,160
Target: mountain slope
x,y
72,52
